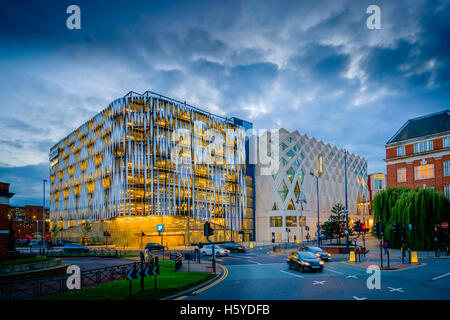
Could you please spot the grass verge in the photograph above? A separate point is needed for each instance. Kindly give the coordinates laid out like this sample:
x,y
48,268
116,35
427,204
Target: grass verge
x,y
169,282
17,261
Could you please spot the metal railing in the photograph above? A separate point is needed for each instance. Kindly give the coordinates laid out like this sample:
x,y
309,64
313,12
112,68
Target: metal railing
x,y
31,289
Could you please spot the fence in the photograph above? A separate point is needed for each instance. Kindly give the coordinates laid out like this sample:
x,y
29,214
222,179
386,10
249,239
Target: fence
x,y
62,253
22,290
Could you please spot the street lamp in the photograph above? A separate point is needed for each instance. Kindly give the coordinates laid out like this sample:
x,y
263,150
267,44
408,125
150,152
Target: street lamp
x,y
43,213
301,200
318,214
346,204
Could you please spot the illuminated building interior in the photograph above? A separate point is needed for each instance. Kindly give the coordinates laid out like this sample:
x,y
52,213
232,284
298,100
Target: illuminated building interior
x,y
147,160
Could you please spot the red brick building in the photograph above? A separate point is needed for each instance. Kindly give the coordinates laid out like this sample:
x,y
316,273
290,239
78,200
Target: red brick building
x,y
5,195
418,155
28,220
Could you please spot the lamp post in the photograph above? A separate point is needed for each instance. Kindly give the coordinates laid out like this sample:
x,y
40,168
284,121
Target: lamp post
x,y
346,205
318,214
43,213
301,200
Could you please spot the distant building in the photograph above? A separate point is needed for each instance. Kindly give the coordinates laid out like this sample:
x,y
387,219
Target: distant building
x,y
418,155
376,183
5,195
28,221
277,194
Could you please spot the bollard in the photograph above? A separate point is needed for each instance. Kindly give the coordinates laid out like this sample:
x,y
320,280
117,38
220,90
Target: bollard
x,y
352,257
414,258
388,261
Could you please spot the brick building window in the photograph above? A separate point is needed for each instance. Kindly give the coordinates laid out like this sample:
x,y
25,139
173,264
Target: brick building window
x,y
447,191
401,175
424,172
400,151
447,168
446,142
378,184
276,221
423,146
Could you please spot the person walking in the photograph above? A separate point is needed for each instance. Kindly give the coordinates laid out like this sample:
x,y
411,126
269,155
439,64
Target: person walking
x,y
386,247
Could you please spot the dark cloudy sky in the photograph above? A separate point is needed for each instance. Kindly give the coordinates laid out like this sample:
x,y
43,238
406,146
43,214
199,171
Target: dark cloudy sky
x,y
307,65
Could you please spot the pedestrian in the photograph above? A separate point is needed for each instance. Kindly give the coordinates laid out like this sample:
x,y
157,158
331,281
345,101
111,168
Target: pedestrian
x,y
307,236
386,247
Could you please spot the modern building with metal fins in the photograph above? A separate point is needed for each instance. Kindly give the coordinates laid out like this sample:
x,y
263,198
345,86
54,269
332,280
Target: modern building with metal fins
x,y
149,160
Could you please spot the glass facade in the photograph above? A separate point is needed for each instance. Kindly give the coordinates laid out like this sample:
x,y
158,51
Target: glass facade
x,y
149,155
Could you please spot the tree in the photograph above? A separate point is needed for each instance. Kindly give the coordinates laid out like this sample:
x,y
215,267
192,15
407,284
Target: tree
x,y
422,208
335,226
86,229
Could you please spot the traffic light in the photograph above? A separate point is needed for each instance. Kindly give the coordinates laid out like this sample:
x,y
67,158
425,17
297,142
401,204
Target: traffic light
x,y
377,229
394,228
364,227
207,230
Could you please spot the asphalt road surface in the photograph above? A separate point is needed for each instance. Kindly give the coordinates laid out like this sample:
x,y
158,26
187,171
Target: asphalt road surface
x,y
257,275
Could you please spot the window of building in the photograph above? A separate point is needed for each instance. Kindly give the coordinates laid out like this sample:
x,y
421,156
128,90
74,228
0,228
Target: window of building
x,y
400,151
424,172
276,221
447,168
446,142
378,184
423,146
401,175
447,191
291,221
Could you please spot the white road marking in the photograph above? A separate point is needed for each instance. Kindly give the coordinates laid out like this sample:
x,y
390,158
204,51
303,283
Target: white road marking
x,y
356,298
441,276
395,289
334,271
318,282
352,276
291,274
254,262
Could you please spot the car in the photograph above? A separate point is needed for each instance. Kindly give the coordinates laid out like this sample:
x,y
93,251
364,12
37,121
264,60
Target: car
x,y
233,247
304,261
61,243
34,243
218,251
319,253
75,247
155,247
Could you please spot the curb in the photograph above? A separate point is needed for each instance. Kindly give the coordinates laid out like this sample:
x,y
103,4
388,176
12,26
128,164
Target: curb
x,y
388,270
200,288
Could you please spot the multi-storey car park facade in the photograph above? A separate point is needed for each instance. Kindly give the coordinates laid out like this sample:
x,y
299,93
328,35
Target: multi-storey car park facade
x,y
149,160
277,208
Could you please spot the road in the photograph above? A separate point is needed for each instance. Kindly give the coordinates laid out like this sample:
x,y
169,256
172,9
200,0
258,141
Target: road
x,y
258,275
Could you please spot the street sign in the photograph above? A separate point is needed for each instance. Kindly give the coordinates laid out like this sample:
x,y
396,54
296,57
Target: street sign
x,y
444,225
155,270
160,227
132,274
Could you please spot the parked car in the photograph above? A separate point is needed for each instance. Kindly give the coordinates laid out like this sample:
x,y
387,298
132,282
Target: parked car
x,y
75,247
34,242
155,247
61,243
319,253
233,247
218,251
305,261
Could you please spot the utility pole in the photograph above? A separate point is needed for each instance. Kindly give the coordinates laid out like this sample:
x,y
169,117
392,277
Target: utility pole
x,y
318,211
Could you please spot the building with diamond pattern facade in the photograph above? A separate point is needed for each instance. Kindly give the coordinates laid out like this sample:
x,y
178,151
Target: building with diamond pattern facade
x,y
276,194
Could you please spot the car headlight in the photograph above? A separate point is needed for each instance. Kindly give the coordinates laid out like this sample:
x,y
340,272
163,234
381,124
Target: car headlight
x,y
321,262
329,255
305,263
317,254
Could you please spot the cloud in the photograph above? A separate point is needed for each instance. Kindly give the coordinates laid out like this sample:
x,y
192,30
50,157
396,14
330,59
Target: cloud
x,y
311,66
